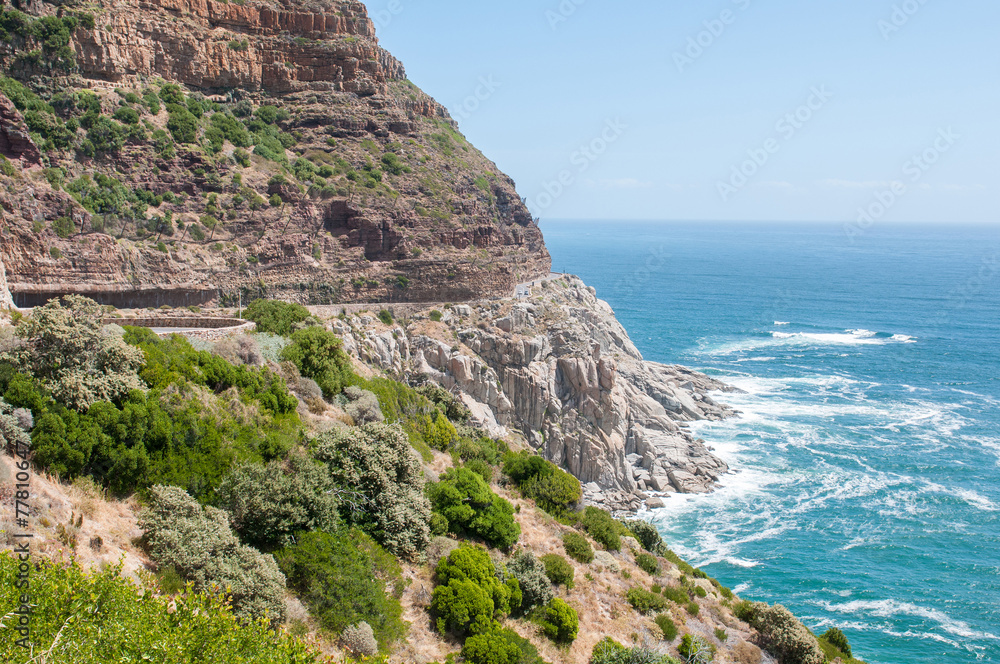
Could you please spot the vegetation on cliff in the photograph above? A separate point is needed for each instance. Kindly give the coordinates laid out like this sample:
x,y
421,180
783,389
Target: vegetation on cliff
x,y
324,524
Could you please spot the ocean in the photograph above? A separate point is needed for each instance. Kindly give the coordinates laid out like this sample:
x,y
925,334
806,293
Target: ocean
x,y
865,491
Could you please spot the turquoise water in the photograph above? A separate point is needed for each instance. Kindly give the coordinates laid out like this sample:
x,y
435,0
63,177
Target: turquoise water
x,y
866,491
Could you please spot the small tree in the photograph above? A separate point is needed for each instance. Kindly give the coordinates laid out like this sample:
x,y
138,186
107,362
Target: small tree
x,y
559,571
560,621
536,589
577,547
463,497
318,354
198,543
376,461
68,348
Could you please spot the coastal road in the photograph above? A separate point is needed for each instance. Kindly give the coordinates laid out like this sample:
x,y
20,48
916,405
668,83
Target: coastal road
x,y
523,291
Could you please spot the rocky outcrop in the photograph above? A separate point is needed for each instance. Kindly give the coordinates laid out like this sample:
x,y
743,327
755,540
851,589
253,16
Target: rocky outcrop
x,y
15,141
560,371
439,222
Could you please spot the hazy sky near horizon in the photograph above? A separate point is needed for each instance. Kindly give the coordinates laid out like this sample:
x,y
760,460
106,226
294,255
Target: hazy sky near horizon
x,y
730,109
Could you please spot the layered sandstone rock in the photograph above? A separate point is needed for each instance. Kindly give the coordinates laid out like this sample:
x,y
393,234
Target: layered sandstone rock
x,y
561,371
449,225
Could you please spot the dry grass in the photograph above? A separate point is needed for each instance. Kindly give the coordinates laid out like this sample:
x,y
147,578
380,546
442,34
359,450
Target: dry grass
x,y
80,521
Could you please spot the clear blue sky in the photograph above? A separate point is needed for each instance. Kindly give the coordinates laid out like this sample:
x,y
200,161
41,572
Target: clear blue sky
x,y
677,121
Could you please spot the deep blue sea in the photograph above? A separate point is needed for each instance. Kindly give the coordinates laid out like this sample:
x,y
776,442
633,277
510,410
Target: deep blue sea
x,y
866,485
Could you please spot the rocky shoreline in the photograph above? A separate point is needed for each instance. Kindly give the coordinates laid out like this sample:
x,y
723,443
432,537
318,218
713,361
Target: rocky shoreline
x,y
558,370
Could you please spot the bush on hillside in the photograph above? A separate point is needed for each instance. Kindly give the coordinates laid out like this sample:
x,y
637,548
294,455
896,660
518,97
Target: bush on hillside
x,y
268,505
696,650
644,601
647,535
577,547
648,564
377,462
342,577
67,348
553,489
609,651
281,318
102,616
438,432
362,405
838,640
602,527
559,571
448,403
199,545
530,572
781,633
15,423
500,646
559,621
667,626
471,508
360,639
318,354
470,596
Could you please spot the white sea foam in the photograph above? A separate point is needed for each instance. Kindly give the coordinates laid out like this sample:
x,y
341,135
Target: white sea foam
x,y
851,337
976,500
904,338
742,588
890,608
781,322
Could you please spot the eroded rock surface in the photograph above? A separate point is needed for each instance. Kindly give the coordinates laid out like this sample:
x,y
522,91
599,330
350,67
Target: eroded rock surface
x,y
561,371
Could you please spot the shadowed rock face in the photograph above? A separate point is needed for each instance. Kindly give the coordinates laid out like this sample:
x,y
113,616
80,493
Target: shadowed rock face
x,y
560,370
445,224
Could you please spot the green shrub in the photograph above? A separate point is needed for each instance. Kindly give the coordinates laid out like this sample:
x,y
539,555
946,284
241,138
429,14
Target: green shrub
x,y
269,505
385,316
644,601
457,411
272,317
183,126
647,535
102,616
721,634
438,432
667,626
127,115
676,594
532,577
471,594
436,316
360,639
171,93
559,621
318,354
599,525
104,136
577,547
376,461
782,633
838,640
464,498
700,592
559,571
198,543
675,559
609,651
14,427
648,564
342,578
696,650
693,608
491,647
67,349
553,489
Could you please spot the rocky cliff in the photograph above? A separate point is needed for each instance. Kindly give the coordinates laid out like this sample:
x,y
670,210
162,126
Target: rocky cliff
x,y
182,152
560,371
6,302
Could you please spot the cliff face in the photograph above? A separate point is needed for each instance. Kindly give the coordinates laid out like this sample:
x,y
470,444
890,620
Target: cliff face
x,y
559,370
6,302
351,185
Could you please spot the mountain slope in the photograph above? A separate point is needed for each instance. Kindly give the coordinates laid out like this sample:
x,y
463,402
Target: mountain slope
x,y
181,152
